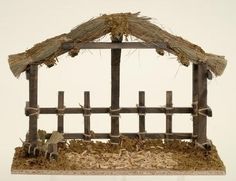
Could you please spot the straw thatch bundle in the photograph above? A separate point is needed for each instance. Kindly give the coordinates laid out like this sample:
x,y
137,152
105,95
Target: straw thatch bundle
x,y
117,25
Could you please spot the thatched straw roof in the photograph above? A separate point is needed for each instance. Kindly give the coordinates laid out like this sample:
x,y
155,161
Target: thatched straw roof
x,y
119,24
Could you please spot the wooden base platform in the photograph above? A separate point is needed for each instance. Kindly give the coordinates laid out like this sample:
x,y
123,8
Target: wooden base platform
x,y
130,157
118,172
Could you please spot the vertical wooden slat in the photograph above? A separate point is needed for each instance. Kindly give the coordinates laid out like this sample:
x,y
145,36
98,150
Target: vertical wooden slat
x,y
169,106
142,115
115,90
33,103
202,103
195,98
60,116
87,115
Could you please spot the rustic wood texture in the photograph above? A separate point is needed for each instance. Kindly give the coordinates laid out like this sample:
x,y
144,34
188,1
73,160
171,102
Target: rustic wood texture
x,y
195,90
108,45
130,135
169,107
141,110
33,103
202,103
115,90
60,115
123,110
87,115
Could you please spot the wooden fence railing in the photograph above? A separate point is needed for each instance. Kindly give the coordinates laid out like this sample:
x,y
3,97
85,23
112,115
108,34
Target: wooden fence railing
x,y
140,109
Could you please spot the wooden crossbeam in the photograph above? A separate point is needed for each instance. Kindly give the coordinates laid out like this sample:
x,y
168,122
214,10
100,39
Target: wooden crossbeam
x,y
108,45
123,110
130,135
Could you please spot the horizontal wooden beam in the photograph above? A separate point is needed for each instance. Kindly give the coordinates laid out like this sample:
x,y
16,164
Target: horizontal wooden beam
x,y
130,135
108,45
125,110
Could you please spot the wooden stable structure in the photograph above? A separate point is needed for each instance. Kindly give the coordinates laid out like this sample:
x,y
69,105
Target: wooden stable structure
x,y
119,25
199,109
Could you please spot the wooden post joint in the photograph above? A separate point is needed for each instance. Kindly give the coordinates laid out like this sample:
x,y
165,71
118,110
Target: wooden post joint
x,y
61,111
169,110
207,146
168,136
207,111
141,135
31,111
114,137
86,111
114,112
87,137
141,110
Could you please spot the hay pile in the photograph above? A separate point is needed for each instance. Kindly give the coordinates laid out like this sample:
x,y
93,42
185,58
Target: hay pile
x,y
130,154
120,24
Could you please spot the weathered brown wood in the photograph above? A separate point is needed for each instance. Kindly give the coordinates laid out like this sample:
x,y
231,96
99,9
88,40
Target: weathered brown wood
x,y
169,113
60,115
130,135
195,98
141,113
86,114
33,103
124,110
108,45
202,103
115,90
53,110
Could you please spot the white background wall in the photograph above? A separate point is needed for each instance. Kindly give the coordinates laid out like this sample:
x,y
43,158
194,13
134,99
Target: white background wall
x,y
210,24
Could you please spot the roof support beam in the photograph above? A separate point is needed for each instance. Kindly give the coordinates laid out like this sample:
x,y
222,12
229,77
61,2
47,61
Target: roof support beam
x,y
115,91
108,45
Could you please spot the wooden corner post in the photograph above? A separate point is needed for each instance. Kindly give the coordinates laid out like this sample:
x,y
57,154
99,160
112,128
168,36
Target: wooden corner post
x,y
195,100
33,104
199,99
115,91
202,103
